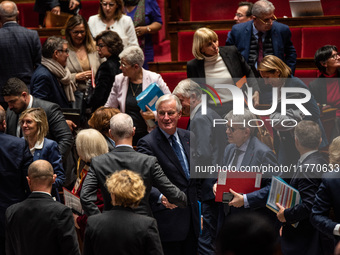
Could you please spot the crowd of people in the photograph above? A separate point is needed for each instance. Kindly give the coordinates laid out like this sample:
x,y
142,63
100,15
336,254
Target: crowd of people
x,y
134,173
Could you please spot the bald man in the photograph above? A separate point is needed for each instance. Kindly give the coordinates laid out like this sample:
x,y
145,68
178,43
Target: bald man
x,y
39,225
20,48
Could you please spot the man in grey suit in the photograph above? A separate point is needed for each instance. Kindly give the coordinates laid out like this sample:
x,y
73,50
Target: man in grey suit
x,y
16,94
125,157
20,48
40,225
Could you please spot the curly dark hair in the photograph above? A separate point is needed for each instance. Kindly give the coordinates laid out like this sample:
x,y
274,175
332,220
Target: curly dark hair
x,y
112,41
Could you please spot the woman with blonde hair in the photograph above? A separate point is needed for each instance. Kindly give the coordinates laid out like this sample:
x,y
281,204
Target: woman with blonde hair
x,y
89,143
33,122
120,230
219,65
277,74
111,17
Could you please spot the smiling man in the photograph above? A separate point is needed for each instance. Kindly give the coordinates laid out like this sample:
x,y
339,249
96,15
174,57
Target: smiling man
x,y
178,228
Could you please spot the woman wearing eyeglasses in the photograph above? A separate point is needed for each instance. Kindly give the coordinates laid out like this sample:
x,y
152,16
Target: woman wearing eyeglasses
x,y
109,46
82,56
129,84
111,17
326,88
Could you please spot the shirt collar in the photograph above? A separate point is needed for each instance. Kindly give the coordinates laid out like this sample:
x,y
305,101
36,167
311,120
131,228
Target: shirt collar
x,y
30,103
305,155
244,146
192,114
124,145
168,136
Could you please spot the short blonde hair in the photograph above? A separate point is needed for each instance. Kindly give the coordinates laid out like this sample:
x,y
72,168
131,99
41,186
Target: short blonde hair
x,y
202,37
127,187
334,151
39,116
90,143
271,63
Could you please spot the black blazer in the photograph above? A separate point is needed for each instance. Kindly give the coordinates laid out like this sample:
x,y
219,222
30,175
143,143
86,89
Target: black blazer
x,y
173,225
121,158
235,63
58,128
40,225
305,238
121,231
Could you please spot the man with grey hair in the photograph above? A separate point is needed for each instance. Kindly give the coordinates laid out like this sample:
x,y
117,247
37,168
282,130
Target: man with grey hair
x,y
263,36
123,156
306,178
245,150
51,81
15,158
20,48
178,228
209,147
40,225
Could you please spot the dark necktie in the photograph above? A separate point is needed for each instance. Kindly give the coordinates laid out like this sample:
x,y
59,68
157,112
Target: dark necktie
x,y
237,154
177,150
260,45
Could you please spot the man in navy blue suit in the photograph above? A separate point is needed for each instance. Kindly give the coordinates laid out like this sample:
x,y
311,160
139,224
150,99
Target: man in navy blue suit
x,y
275,37
20,48
179,227
209,146
51,81
15,158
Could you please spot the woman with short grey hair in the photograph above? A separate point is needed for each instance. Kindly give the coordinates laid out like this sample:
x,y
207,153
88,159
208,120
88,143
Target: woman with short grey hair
x,y
129,84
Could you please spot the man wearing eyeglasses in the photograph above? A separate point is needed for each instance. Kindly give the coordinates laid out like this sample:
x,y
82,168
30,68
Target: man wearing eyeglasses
x,y
263,36
51,81
243,12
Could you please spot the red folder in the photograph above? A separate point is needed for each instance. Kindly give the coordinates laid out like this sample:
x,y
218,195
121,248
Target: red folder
x,y
240,182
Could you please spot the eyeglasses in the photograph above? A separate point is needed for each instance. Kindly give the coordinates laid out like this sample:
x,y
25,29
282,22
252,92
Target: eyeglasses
x,y
101,45
65,51
335,56
268,21
105,4
78,32
239,15
232,129
122,64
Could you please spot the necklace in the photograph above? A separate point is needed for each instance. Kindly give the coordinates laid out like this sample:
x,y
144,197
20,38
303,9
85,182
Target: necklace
x,y
134,91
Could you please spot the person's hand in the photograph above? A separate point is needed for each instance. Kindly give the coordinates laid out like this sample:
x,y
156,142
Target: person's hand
x,y
237,201
148,114
71,125
141,30
56,10
280,232
280,215
166,203
214,189
83,76
73,4
256,98
202,222
75,217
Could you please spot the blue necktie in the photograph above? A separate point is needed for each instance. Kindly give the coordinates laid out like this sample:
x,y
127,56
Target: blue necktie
x,y
177,150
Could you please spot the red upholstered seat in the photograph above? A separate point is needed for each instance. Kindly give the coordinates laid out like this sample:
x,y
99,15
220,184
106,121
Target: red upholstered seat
x,y
183,122
316,37
296,39
306,75
185,40
173,78
89,8
27,17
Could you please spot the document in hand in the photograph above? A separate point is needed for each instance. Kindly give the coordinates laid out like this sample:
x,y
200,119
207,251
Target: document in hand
x,y
240,182
73,202
282,193
149,97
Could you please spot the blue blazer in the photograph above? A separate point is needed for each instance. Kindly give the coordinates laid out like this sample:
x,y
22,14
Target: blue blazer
x,y
50,152
44,85
257,154
15,158
240,36
173,224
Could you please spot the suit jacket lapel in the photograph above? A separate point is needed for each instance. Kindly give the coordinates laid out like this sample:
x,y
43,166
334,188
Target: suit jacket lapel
x,y
73,61
247,38
228,62
200,68
249,153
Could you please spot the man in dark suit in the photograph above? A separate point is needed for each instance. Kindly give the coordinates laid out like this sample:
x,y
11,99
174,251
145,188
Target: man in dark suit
x,y
123,156
209,148
15,158
178,228
40,225
120,230
51,81
20,48
303,239
16,94
275,37
246,152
